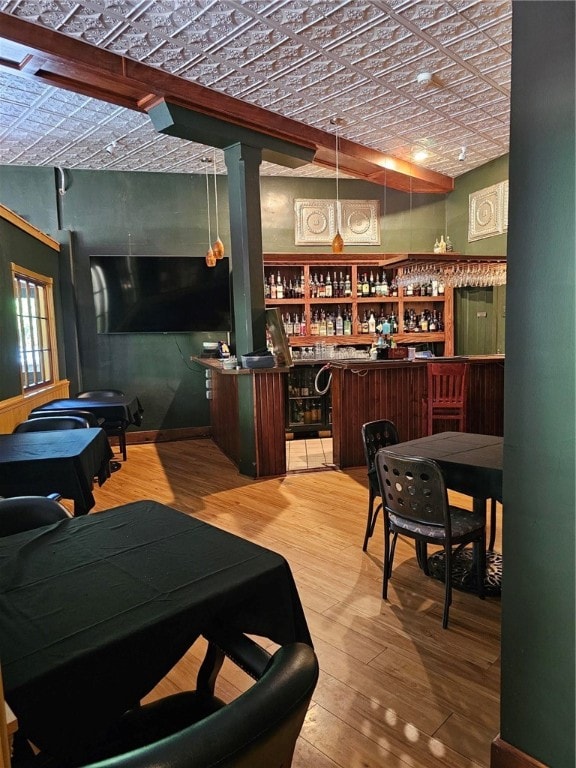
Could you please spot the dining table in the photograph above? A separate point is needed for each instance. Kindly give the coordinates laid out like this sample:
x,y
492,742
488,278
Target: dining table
x,y
112,408
96,610
65,462
471,464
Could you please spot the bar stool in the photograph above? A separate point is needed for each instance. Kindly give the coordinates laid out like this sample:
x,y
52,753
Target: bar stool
x,y
446,395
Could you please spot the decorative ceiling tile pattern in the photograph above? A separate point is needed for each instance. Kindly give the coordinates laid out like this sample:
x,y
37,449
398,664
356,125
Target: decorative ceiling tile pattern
x,y
310,60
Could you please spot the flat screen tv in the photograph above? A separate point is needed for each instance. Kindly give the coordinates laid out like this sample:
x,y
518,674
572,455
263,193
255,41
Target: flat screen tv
x,y
160,294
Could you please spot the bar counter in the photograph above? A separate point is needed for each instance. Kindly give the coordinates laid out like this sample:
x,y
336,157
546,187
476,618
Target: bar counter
x,y
394,389
362,390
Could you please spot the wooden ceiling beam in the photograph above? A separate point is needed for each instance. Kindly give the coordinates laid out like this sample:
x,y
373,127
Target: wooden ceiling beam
x,y
59,60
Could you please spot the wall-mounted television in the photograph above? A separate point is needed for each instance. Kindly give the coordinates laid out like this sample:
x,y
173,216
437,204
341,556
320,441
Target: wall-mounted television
x,y
160,294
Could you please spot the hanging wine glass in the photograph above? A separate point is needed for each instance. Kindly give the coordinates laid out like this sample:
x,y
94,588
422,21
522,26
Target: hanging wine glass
x,y
218,245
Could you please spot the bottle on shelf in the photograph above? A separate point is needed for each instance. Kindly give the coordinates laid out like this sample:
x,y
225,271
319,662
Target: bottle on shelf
x,y
347,286
279,287
339,323
365,286
385,287
347,330
371,323
328,287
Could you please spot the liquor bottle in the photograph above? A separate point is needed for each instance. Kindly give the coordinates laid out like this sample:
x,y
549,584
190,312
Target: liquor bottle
x,y
272,287
393,324
279,287
364,324
328,287
314,325
409,290
339,323
303,325
330,325
449,246
385,285
441,288
365,286
289,325
347,286
340,286
378,285
371,323
424,322
296,325
394,287
347,324
359,284
302,285
372,284
321,288
266,289
433,323
322,324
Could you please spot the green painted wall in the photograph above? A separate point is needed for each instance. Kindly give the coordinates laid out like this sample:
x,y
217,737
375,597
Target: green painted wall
x,y
457,209
538,712
117,213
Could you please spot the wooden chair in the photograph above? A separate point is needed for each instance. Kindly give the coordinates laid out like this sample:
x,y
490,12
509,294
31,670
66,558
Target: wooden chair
x,y
447,392
375,435
416,505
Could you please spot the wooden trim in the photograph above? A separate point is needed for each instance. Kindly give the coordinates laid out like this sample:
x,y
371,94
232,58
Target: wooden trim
x,y
167,435
504,755
65,62
25,226
16,409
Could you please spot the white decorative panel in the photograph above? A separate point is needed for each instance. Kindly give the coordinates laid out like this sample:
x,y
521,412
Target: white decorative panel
x,y
488,212
360,222
316,221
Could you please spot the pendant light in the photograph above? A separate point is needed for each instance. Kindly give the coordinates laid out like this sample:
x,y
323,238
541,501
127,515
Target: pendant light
x,y
210,257
218,245
337,242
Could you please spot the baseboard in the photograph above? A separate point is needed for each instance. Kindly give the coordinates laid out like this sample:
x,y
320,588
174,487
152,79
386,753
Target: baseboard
x,y
167,435
504,755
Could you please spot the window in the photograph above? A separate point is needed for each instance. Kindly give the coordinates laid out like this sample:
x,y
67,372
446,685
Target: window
x,y
36,331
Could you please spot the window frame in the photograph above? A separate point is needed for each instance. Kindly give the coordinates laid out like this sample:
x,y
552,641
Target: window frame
x,y
47,346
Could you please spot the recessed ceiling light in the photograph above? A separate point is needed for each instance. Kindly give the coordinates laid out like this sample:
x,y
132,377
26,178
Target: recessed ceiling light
x,y
428,80
419,155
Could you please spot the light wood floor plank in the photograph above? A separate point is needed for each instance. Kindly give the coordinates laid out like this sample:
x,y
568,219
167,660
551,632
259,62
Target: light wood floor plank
x,y
395,689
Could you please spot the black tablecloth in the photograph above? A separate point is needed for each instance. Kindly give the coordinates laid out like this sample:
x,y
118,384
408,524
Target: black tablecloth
x,y
470,463
119,408
55,461
94,611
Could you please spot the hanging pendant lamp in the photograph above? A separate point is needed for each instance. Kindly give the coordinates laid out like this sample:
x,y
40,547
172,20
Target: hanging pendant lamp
x,y
337,242
210,257
218,245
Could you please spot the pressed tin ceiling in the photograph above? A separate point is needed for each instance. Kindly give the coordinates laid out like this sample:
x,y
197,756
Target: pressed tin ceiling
x,y
307,60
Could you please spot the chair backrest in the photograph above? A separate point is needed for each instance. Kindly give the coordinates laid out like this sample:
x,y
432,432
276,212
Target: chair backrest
x,y
447,384
413,488
89,394
258,729
376,435
21,513
87,415
51,423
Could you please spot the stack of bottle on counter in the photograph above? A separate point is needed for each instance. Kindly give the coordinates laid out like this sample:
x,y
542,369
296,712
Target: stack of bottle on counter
x,y
305,411
369,285
433,288
278,287
425,322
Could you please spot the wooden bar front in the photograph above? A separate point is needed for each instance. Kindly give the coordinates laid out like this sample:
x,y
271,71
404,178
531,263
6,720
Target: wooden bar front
x,y
365,391
269,391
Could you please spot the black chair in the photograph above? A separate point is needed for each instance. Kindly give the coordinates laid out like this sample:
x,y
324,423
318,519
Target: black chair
x,y
51,423
93,421
195,729
112,428
416,505
21,513
375,435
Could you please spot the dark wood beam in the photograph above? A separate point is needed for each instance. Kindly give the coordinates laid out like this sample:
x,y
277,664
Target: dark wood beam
x,y
55,59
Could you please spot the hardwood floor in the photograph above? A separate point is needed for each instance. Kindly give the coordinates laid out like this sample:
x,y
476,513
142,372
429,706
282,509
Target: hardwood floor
x,y
395,689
